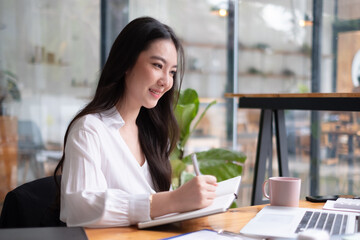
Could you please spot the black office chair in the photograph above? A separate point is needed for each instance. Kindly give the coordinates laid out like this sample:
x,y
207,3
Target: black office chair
x,y
32,204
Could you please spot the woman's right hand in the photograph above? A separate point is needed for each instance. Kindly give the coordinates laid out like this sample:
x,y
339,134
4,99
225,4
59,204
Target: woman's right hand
x,y
198,193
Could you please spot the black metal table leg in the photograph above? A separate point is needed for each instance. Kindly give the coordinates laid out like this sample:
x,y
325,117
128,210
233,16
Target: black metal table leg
x,y
281,143
262,153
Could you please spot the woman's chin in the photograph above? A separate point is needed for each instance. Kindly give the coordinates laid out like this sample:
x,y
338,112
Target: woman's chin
x,y
150,105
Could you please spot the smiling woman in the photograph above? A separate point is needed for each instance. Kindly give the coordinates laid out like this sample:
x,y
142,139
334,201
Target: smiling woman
x,y
115,166
146,82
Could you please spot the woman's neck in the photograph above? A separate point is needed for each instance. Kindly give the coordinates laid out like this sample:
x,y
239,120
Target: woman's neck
x,y
128,114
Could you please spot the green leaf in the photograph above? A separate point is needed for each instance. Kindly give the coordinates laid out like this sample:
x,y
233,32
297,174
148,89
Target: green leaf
x,y
234,205
185,111
218,154
221,169
222,163
202,115
175,154
177,167
184,115
185,177
188,96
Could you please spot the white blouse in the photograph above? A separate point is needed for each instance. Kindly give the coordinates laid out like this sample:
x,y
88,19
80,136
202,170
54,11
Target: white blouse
x,y
102,184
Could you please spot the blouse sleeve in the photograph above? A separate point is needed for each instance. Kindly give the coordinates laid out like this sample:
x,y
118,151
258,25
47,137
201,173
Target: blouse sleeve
x,y
86,199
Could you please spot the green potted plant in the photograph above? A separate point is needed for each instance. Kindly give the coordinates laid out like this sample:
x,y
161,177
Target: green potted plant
x,y
8,89
222,163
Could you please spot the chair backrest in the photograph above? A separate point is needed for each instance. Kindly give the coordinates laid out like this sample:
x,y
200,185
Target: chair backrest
x,y
32,204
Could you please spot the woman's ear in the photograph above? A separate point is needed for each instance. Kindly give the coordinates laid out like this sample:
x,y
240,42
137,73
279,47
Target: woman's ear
x,y
127,71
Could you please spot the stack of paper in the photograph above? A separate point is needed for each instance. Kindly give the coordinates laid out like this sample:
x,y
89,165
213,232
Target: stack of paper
x,y
343,204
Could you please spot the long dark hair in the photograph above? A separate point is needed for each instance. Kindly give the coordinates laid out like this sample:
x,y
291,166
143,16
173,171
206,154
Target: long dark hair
x,y
158,129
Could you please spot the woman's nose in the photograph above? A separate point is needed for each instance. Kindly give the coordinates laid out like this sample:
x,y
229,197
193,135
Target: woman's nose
x,y
165,80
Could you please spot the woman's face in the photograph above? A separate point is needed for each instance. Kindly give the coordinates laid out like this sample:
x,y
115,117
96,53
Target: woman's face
x,y
152,75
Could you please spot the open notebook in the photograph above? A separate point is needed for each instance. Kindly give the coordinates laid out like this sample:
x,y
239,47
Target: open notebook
x,y
225,192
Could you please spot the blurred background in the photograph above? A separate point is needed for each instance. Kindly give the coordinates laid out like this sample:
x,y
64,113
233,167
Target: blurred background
x,y
51,54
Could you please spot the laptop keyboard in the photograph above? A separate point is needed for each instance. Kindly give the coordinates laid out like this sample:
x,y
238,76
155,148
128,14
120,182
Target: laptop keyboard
x,y
334,223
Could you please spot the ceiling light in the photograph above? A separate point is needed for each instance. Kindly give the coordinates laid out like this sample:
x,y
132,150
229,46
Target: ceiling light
x,y
220,12
223,12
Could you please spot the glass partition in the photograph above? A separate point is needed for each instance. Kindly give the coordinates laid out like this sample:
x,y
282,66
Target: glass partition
x,y
274,57
50,62
49,66
340,169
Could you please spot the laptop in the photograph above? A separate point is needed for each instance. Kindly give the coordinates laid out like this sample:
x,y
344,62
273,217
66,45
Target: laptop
x,y
288,222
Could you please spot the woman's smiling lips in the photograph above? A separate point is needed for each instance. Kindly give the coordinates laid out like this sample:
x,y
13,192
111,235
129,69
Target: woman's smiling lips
x,y
155,93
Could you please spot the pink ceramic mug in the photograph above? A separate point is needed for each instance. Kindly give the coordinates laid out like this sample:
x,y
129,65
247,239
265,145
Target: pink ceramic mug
x,y
283,191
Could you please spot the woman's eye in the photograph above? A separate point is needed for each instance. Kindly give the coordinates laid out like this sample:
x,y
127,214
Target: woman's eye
x,y
173,73
158,65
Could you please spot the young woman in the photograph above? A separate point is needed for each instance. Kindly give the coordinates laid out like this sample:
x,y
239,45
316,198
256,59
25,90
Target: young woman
x,y
115,167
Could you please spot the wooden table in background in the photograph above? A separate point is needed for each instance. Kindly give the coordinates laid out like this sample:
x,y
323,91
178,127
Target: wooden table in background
x,y
233,220
272,113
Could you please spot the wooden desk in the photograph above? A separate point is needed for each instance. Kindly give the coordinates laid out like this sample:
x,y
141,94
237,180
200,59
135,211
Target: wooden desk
x,y
274,105
8,155
233,220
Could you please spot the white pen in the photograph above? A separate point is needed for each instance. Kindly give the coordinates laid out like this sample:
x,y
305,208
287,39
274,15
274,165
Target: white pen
x,y
195,164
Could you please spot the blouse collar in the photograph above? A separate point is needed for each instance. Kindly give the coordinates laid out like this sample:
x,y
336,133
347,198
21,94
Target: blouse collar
x,y
112,118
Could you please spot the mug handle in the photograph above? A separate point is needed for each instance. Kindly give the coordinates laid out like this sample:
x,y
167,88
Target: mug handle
x,y
263,189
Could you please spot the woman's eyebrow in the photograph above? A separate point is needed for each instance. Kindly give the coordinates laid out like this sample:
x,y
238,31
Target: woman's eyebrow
x,y
161,59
